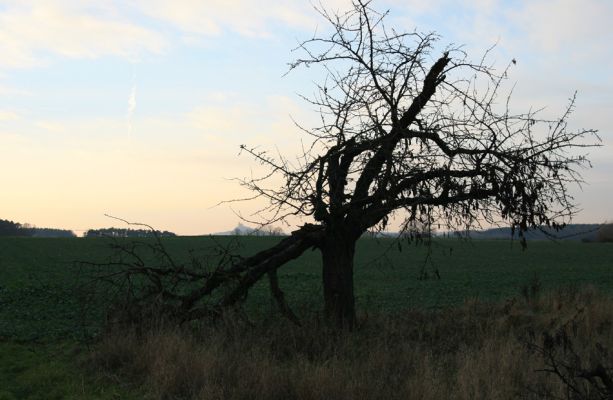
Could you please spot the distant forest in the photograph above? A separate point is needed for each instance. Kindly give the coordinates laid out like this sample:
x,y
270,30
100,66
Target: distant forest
x,y
10,228
126,232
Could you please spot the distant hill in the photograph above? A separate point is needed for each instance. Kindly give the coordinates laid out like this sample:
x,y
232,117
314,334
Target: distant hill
x,y
580,232
239,230
244,230
587,232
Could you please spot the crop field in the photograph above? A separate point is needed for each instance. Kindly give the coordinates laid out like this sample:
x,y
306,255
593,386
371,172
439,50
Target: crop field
x,y
38,277
42,315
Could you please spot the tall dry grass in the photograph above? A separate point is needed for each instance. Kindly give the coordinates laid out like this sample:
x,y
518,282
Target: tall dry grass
x,y
605,233
475,351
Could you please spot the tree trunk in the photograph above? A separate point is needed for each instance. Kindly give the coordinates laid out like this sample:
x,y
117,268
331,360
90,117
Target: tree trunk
x,y
337,253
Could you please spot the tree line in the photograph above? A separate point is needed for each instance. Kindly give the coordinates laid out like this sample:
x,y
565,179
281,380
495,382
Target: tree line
x,y
127,232
11,228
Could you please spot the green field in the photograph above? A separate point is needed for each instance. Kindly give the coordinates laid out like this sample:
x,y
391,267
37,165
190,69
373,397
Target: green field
x,y
43,326
38,276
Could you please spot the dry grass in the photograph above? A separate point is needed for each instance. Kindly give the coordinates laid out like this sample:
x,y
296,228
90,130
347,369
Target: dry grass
x,y
476,351
605,233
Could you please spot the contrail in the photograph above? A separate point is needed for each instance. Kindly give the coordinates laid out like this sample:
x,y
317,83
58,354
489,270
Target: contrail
x,y
131,103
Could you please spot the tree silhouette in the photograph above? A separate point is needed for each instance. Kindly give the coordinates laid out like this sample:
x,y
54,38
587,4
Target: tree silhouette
x,y
127,232
407,131
432,141
10,228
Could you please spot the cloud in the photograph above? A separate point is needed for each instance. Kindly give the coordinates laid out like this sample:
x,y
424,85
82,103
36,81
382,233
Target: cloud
x,y
245,17
566,25
258,19
7,115
31,31
11,91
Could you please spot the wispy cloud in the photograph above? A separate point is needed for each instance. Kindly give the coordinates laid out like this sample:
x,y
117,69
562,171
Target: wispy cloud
x,y
31,32
245,17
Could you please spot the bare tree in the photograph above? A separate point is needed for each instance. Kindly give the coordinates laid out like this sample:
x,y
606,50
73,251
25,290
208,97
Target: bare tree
x,y
408,132
428,137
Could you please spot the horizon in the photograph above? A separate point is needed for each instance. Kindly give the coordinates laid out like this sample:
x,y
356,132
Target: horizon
x,y
248,230
138,109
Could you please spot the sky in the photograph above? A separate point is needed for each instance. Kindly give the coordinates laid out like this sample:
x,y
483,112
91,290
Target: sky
x,y
137,108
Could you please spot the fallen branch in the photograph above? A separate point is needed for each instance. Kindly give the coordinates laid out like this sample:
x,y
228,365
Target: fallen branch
x,y
203,288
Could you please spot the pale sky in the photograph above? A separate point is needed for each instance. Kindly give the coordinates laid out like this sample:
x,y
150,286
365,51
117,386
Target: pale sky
x,y
137,108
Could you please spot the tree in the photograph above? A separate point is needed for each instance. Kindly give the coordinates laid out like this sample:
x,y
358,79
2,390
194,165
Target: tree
x,y
407,132
432,139
10,228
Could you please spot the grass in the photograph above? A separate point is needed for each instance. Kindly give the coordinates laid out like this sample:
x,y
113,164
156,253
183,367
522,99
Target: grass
x,y
38,371
41,321
472,351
